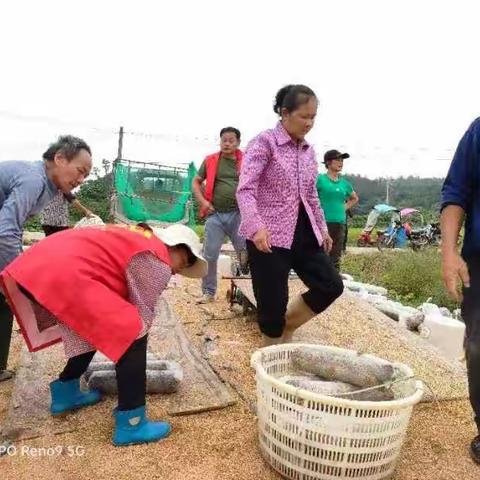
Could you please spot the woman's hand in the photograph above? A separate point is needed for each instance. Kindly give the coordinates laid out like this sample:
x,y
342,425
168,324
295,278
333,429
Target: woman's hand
x,y
262,241
327,242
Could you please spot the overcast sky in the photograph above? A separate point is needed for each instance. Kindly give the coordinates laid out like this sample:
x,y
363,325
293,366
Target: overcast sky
x,y
398,81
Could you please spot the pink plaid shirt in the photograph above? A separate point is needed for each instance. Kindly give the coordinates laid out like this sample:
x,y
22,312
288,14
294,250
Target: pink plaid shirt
x,y
277,174
147,277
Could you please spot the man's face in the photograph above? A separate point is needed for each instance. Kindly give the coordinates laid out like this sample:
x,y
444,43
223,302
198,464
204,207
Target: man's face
x,y
229,143
68,175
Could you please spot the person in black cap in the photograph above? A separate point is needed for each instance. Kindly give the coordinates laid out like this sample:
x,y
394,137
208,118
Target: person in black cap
x,y
336,197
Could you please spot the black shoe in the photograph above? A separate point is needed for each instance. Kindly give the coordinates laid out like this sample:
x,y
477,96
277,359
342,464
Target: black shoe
x,y
475,449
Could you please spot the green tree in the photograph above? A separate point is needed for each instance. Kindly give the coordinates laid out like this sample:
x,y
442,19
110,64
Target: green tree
x,y
95,195
420,193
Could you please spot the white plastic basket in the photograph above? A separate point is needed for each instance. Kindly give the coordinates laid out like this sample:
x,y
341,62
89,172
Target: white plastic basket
x,y
308,436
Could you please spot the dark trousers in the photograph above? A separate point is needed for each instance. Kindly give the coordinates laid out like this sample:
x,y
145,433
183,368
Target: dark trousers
x,y
345,238
270,273
51,229
337,231
130,371
471,316
6,325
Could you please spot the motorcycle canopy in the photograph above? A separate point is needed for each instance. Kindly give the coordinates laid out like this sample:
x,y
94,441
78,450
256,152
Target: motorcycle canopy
x,y
384,208
411,213
375,213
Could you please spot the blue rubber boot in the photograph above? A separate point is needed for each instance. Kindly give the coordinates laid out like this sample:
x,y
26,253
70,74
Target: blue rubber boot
x,y
132,427
67,396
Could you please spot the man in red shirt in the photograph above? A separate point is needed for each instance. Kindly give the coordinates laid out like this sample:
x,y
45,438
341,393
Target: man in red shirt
x,y
218,204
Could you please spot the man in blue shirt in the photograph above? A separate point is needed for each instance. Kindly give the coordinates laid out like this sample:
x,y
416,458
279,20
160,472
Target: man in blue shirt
x,y
25,189
461,199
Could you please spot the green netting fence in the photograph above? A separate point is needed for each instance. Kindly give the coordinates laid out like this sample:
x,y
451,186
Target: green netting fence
x,y
151,192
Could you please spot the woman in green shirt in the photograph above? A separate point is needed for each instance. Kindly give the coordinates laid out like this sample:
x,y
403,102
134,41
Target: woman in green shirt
x,y
336,196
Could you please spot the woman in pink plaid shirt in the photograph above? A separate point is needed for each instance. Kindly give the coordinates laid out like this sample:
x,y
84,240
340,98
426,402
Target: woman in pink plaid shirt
x,y
282,219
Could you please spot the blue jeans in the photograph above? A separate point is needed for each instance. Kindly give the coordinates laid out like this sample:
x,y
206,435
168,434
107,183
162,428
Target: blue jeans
x,y
217,227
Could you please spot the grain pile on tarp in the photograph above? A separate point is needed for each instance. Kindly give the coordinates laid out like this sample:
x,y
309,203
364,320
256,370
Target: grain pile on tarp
x,y
200,389
29,412
224,443
354,324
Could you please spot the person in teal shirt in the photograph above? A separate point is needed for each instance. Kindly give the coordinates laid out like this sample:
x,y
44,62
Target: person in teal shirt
x,y
336,197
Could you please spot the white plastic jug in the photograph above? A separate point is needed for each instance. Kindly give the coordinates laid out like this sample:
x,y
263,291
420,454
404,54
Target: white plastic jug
x,y
445,333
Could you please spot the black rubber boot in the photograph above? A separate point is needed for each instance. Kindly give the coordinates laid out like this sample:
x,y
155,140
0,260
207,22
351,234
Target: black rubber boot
x,y
475,449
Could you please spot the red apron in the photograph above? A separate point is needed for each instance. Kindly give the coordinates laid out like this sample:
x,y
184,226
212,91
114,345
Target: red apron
x,y
79,276
211,167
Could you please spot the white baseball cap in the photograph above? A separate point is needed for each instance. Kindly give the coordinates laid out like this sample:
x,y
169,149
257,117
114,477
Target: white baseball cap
x,y
180,234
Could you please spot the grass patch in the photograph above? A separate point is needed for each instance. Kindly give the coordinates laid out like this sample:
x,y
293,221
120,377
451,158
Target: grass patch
x,y
200,231
353,234
410,277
